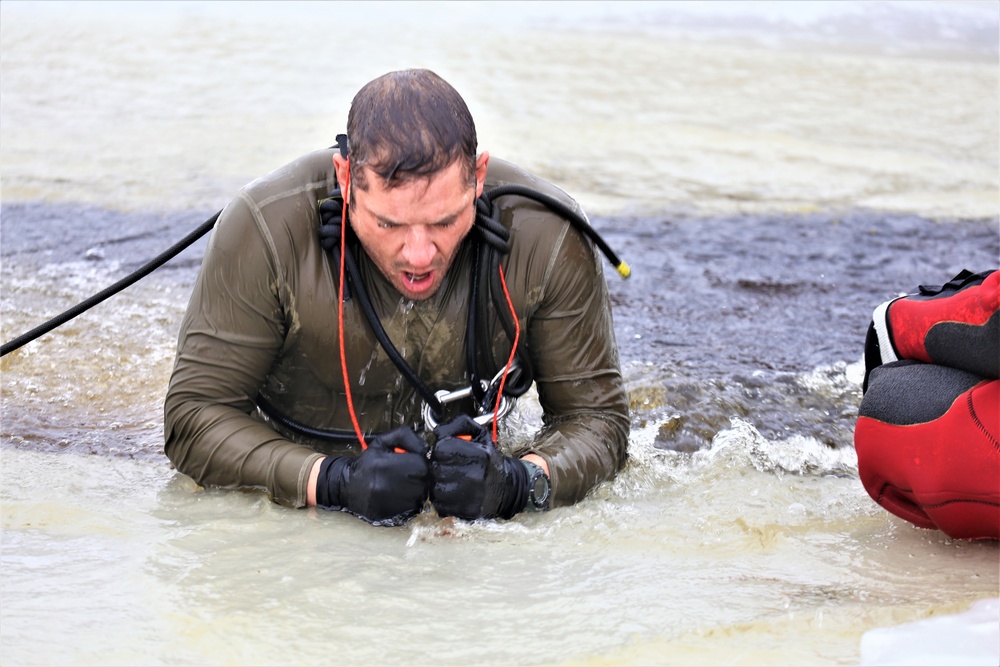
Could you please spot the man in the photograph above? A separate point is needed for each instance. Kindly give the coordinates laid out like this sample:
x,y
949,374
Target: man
x,y
263,328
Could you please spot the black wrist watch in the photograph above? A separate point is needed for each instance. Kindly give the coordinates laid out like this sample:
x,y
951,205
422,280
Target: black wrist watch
x,y
539,487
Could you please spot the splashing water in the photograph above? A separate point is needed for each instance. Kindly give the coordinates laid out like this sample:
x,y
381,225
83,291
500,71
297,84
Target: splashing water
x,y
770,171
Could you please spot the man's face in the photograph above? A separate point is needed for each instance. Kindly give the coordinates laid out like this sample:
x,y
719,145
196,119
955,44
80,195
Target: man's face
x,y
412,231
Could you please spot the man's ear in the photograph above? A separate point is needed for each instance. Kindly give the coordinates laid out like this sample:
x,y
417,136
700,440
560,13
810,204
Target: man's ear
x,y
342,165
482,162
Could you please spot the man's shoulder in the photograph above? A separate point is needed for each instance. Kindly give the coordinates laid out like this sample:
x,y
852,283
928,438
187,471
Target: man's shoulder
x,y
522,212
538,234
283,204
502,172
308,174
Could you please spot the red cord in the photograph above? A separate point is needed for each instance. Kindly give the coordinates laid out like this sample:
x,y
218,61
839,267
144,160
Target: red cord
x,y
513,350
340,315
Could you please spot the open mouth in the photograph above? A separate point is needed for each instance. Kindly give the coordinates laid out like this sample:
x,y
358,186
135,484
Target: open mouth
x,y
417,282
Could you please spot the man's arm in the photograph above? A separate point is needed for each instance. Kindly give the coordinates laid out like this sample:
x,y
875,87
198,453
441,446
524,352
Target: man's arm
x,y
585,437
229,338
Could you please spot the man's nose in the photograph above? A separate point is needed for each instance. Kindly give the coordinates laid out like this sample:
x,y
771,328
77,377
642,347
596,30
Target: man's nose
x,y
418,249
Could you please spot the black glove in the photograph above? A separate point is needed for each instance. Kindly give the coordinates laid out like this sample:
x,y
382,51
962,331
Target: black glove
x,y
381,486
472,479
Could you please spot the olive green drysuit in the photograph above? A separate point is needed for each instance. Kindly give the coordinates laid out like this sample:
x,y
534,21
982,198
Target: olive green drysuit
x,y
263,319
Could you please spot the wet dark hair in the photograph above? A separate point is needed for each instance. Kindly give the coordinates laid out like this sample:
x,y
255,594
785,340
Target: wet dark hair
x,y
409,124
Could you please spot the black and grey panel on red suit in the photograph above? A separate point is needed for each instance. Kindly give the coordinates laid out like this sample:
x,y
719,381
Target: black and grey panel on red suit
x,y
928,430
956,324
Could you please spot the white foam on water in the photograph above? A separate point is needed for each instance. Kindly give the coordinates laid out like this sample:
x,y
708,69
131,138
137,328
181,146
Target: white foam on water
x,y
753,551
838,378
743,445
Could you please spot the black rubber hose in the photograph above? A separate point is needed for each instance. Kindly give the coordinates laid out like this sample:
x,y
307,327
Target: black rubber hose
x,y
106,293
495,237
574,217
471,361
340,437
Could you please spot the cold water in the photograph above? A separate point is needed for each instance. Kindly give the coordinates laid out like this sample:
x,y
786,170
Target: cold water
x,y
772,172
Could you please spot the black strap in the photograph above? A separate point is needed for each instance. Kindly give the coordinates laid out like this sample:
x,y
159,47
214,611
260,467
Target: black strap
x,y
342,145
965,278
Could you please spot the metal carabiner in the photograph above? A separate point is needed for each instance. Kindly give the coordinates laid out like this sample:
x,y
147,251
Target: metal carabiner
x,y
445,396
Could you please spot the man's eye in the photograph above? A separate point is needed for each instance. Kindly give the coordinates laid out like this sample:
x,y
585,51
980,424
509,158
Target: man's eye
x,y
383,224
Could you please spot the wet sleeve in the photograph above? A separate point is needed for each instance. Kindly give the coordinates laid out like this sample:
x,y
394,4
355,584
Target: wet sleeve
x,y
578,375
230,336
